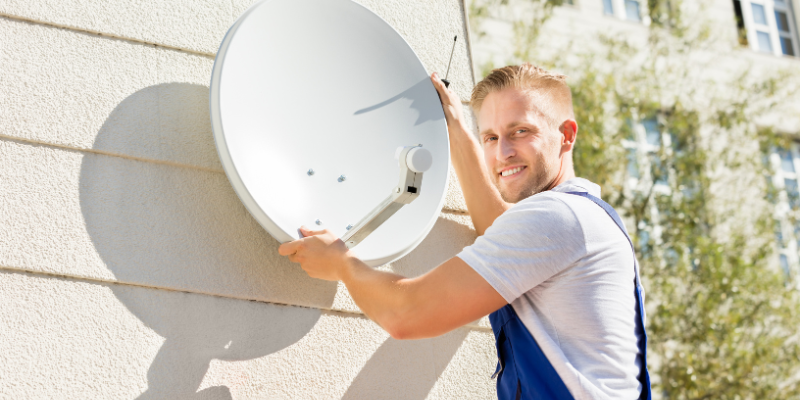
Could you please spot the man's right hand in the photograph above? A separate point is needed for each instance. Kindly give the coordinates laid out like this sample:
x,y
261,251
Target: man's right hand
x,y
451,104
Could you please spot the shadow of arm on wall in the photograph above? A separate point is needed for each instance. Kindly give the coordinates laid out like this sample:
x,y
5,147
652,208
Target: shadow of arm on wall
x,y
405,369
408,369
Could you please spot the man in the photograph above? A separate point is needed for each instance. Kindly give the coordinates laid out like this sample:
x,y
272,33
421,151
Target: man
x,y
551,265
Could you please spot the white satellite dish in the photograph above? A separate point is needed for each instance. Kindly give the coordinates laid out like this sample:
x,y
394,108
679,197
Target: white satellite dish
x,y
310,102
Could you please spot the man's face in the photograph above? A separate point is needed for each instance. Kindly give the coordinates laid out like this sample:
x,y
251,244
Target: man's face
x,y
521,150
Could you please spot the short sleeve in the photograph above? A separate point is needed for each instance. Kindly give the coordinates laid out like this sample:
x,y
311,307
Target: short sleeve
x,y
529,243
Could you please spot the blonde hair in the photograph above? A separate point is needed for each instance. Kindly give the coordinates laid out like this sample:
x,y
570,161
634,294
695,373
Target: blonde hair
x,y
551,94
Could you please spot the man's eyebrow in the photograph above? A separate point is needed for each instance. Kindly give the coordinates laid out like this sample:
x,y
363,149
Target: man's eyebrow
x,y
518,123
509,126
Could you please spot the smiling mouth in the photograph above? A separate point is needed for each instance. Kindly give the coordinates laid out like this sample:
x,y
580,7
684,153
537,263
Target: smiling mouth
x,y
511,171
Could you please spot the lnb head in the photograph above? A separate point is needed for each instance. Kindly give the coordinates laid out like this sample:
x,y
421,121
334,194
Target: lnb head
x,y
419,159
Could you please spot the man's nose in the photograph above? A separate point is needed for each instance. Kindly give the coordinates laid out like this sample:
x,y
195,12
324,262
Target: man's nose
x,y
505,150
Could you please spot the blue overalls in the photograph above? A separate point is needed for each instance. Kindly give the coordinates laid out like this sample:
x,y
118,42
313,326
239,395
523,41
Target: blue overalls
x,y
523,371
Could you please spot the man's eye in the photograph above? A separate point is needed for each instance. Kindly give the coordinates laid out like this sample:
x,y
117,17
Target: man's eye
x,y
491,138
521,130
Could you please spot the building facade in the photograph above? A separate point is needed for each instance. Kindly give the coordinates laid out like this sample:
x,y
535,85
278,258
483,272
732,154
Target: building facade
x,y
759,36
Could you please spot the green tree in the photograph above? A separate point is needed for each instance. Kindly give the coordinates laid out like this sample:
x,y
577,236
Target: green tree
x,y
722,318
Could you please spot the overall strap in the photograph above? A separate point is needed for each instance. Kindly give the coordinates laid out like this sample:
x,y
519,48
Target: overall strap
x,y
644,375
523,370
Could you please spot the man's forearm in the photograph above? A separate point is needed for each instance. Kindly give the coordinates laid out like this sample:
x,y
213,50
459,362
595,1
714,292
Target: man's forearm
x,y
484,202
443,299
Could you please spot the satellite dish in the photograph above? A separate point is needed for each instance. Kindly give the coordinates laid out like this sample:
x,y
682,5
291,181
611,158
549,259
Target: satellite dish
x,y
315,106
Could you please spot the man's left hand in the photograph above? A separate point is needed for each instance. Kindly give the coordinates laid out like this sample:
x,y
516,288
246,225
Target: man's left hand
x,y
320,253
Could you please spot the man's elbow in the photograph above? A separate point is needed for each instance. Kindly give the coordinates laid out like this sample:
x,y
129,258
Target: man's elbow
x,y
399,333
400,328
411,318
409,324
414,326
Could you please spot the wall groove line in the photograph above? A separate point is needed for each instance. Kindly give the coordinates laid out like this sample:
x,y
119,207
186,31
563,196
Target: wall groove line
x,y
454,211
165,288
106,153
325,310
146,160
106,35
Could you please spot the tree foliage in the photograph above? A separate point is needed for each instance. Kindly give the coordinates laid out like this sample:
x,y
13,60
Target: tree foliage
x,y
722,319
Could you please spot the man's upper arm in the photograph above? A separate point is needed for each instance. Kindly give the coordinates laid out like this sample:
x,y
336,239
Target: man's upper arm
x,y
524,247
527,245
450,296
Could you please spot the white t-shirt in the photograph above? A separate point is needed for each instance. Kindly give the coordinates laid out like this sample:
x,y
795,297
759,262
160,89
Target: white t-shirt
x,y
568,272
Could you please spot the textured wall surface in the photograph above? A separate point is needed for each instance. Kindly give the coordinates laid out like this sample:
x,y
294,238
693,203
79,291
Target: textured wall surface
x,y
76,339
128,266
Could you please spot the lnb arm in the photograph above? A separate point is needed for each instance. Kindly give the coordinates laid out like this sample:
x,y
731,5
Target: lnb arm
x,y
413,162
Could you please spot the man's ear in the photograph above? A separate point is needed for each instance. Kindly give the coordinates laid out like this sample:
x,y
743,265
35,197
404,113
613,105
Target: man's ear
x,y
569,132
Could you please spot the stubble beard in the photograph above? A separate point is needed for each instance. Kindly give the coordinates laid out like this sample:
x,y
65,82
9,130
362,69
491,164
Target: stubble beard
x,y
542,176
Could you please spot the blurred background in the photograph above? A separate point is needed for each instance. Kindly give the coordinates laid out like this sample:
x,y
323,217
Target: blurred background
x,y
689,116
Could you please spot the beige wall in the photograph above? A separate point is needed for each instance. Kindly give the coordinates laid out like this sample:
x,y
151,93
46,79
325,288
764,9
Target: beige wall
x,y
127,264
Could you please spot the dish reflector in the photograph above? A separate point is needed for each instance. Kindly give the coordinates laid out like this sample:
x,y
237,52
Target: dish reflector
x,y
310,99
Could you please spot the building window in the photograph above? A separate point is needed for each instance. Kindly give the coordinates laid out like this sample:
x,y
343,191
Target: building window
x,y
647,175
785,166
608,7
785,264
644,163
782,18
630,10
767,26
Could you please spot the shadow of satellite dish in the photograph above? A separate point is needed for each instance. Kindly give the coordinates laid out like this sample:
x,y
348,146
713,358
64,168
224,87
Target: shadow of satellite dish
x,y
165,226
